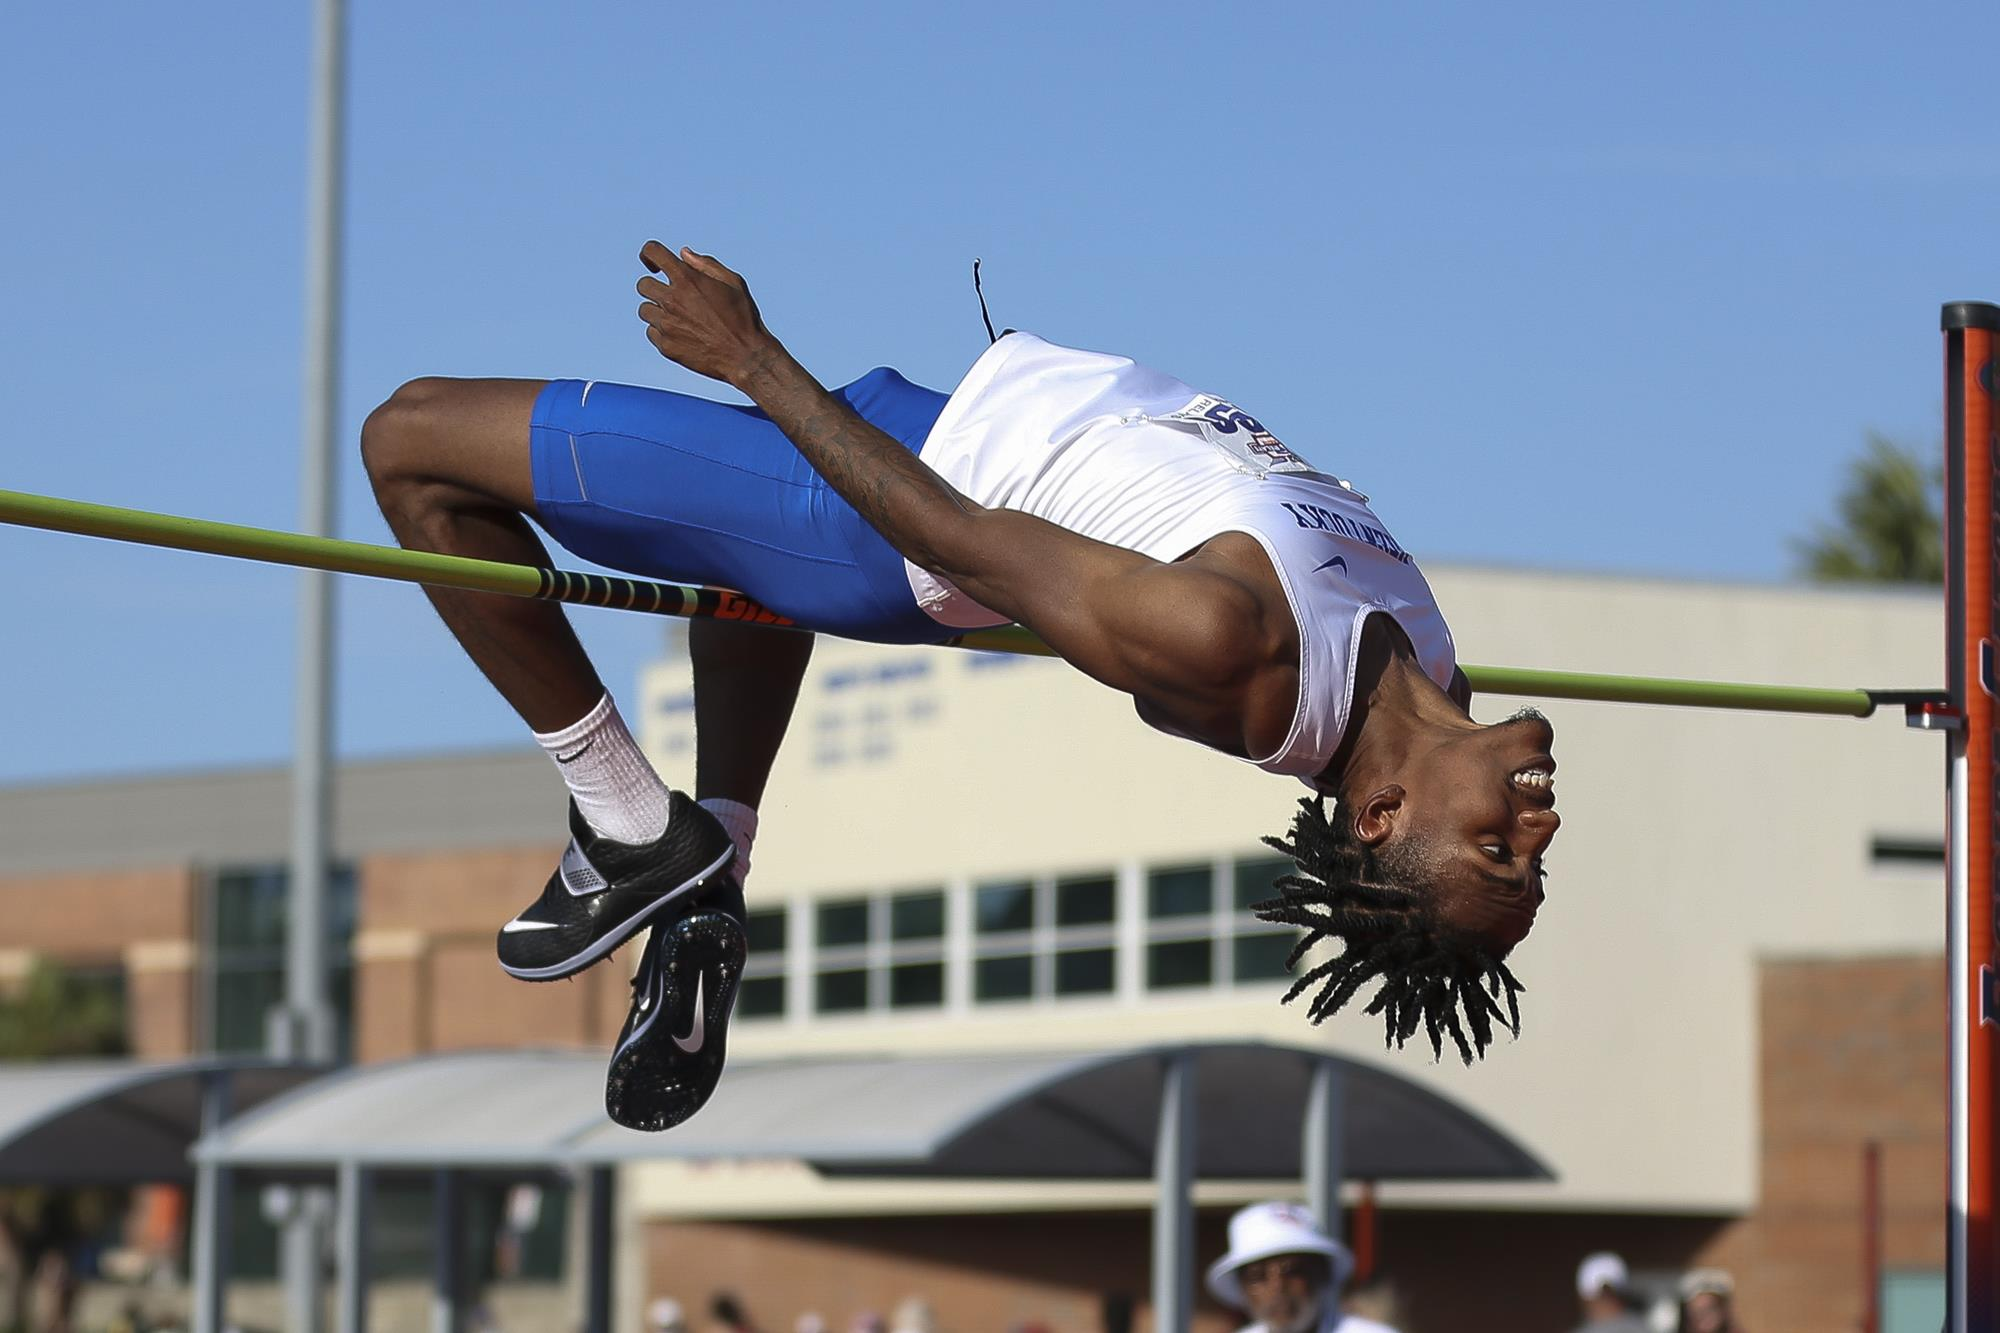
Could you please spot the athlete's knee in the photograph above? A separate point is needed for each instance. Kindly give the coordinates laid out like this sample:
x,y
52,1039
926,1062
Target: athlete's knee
x,y
452,442
399,439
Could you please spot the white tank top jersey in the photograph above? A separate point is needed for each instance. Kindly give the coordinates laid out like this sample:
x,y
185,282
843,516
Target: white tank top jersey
x,y
1135,458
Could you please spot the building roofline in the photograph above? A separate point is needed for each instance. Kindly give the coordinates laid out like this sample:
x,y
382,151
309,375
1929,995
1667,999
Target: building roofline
x,y
1891,592
362,766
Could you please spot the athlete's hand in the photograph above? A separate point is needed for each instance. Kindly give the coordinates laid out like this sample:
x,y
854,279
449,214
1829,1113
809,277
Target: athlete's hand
x,y
701,316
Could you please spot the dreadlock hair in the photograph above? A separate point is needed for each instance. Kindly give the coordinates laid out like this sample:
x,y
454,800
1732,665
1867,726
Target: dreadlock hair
x,y
1377,906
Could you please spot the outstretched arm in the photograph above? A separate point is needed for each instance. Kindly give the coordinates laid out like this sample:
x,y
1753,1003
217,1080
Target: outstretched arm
x,y
1184,638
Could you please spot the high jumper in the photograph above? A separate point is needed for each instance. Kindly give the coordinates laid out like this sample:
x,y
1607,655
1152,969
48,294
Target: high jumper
x,y
660,1083
1158,538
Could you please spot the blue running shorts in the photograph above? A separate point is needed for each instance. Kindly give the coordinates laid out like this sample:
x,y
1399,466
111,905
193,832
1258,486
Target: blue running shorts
x,y
678,488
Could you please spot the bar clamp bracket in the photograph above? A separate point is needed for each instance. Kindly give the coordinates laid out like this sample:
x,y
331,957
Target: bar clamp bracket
x,y
1931,713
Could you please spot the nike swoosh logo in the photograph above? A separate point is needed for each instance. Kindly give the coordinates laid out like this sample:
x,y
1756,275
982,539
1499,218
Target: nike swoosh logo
x,y
692,1042
1337,560
517,925
576,754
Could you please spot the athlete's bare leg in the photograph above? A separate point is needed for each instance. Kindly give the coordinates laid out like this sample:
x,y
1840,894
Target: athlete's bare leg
x,y
451,468
746,681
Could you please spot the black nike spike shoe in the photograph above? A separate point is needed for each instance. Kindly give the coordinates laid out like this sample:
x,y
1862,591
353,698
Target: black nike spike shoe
x,y
670,1051
604,892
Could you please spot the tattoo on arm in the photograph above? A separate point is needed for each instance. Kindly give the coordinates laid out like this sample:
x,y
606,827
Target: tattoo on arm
x,y
904,500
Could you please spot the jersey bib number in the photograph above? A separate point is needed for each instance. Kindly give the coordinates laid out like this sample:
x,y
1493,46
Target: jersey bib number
x,y
1242,437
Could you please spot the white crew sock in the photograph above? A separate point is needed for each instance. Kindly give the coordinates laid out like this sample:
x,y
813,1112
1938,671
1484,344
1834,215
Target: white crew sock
x,y
741,822
616,789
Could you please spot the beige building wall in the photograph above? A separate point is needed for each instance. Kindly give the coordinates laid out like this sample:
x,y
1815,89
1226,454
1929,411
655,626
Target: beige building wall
x,y
1695,844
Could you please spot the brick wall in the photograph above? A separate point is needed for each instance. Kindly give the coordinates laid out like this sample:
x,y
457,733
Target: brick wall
x,y
426,976
981,1274
144,921
1441,1271
162,999
1852,1050
94,917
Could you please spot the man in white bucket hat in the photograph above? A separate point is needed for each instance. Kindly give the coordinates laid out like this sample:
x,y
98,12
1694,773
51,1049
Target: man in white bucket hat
x,y
1286,1273
1604,1290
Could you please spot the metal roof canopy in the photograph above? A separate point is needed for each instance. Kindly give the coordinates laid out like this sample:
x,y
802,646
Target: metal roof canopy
x,y
1168,1113
121,1122
1089,1114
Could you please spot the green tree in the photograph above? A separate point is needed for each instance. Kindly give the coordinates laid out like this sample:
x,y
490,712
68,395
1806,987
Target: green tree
x,y
1890,524
57,1014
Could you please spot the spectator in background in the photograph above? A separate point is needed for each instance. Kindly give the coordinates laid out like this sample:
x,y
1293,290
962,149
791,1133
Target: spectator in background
x,y
913,1315
1286,1273
1603,1289
1708,1302
812,1321
728,1314
666,1316
521,1214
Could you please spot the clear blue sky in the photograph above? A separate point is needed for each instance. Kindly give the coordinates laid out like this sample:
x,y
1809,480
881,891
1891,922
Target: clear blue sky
x,y
1582,286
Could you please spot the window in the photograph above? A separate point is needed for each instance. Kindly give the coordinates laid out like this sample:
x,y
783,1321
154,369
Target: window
x,y
1021,939
916,950
95,1001
1914,853
1181,940
1257,949
882,952
1085,946
840,939
1044,937
1201,931
1003,924
65,1010
762,994
245,959
1912,1301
